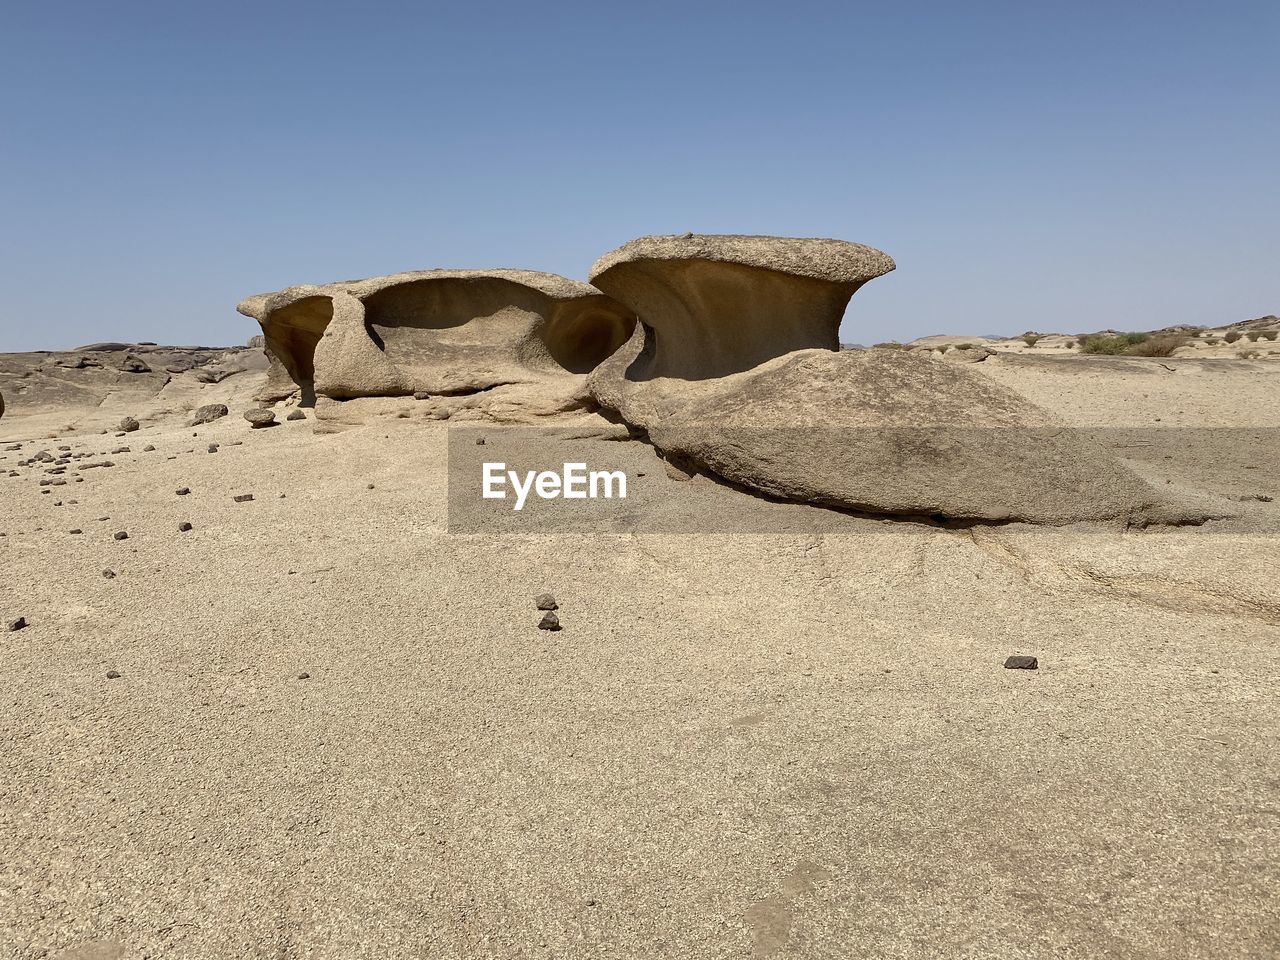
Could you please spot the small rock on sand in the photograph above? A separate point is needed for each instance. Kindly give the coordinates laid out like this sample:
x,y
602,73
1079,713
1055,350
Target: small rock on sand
x,y
109,574
121,535
1020,662
260,417
128,425
184,526
242,497
549,621
182,491
208,413
18,624
546,601
113,674
296,415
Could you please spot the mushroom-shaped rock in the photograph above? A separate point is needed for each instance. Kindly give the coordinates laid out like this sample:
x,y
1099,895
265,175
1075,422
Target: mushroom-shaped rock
x,y
717,305
436,331
260,417
722,376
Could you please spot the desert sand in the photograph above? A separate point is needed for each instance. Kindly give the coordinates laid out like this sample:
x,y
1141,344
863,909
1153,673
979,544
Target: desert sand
x,y
318,724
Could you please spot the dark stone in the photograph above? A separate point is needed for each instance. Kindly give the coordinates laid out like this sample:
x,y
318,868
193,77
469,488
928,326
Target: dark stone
x,y
77,530
128,425
213,448
480,442
242,497
304,675
1020,662
133,364
549,621
109,574
148,448
208,413
184,526
18,624
546,601
296,415
113,674
422,395
260,417
121,535
182,491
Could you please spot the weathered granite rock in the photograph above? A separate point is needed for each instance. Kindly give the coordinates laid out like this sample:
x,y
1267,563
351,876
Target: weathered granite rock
x,y
716,305
435,331
714,379
209,413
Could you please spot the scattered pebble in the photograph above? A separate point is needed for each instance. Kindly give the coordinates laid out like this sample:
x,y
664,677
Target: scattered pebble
x,y
76,530
370,487
128,425
184,526
242,497
213,448
480,442
121,535
304,675
1020,662
296,415
549,621
109,574
546,601
113,674
148,448
260,417
18,624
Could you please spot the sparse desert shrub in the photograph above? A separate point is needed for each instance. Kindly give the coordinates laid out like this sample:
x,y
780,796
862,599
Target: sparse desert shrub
x,y
1133,338
1070,344
1213,341
944,347
1251,355
1030,338
964,346
1270,334
1161,345
1254,335
1232,336
889,345
1110,346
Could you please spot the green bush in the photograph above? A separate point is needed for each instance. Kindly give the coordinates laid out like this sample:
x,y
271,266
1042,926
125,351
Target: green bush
x,y
1270,334
1254,335
1110,346
1132,338
889,345
1161,345
1030,338
1233,336
944,347
1069,344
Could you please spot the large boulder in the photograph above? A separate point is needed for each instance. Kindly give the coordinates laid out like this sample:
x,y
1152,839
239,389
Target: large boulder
x,y
716,305
722,376
435,331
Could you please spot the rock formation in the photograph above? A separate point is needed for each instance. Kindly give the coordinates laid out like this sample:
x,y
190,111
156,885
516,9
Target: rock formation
x,y
435,331
716,305
719,378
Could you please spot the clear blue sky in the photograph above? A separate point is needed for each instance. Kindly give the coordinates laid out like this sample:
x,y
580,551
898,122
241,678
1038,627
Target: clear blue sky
x,y
1028,165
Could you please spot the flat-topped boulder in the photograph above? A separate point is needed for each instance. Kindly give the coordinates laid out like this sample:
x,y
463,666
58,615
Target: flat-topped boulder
x,y
891,433
718,304
434,331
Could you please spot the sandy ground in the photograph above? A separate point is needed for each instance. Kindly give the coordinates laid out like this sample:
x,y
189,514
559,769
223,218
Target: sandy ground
x,y
785,745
